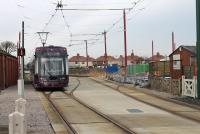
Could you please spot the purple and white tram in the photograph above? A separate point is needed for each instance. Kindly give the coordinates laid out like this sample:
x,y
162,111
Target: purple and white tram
x,y
51,67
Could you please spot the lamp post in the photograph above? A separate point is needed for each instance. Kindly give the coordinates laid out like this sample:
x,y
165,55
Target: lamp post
x,y
198,46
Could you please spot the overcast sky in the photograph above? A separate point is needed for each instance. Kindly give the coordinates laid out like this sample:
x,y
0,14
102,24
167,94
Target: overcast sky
x,y
149,20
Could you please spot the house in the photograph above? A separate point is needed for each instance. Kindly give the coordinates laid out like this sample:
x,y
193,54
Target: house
x,y
156,57
80,61
133,59
183,62
120,60
100,61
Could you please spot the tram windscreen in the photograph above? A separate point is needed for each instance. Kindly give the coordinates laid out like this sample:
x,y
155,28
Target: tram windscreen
x,y
52,66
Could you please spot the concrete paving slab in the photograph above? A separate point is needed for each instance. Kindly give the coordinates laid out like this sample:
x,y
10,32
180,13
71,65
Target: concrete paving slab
x,y
150,121
168,105
56,121
168,130
150,96
58,94
97,128
59,128
74,112
117,103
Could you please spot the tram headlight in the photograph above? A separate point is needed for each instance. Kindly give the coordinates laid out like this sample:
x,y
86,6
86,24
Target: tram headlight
x,y
62,78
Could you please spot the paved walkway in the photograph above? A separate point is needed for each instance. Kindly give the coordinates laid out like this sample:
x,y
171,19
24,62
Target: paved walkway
x,y
157,100
140,117
37,120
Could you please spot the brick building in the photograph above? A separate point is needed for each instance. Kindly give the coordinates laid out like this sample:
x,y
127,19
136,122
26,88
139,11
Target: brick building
x,y
100,61
183,62
156,57
80,61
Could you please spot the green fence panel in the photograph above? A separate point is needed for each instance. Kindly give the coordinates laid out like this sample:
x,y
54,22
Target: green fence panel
x,y
138,68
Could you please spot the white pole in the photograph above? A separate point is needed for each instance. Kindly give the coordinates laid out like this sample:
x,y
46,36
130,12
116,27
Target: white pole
x,y
21,81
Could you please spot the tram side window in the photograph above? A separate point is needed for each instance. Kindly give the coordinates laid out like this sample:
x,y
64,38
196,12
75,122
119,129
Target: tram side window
x,y
36,66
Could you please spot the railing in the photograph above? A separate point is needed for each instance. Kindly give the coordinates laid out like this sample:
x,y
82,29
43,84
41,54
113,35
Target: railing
x,y
168,85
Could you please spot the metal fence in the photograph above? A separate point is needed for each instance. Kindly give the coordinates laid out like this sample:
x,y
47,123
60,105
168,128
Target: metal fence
x,y
8,70
160,68
137,69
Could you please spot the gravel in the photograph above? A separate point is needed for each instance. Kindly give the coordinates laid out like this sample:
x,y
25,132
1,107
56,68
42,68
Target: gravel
x,y
37,120
188,100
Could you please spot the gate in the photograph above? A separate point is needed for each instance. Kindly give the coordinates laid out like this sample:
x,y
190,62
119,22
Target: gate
x,y
189,87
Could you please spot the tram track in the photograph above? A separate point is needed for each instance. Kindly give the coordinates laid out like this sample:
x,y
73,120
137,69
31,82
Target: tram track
x,y
69,125
64,121
167,100
100,113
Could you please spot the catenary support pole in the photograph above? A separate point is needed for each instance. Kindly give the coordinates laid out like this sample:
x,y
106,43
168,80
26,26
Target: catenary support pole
x,y
105,43
86,51
125,45
21,79
22,47
17,119
19,43
125,42
198,46
152,45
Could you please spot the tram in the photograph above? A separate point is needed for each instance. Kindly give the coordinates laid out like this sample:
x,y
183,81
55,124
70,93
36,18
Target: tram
x,y
51,68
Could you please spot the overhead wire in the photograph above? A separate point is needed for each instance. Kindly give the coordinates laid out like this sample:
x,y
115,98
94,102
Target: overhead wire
x,y
108,30
114,24
66,23
77,4
49,21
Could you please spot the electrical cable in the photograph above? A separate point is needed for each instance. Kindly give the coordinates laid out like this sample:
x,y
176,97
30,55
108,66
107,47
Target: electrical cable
x,y
113,25
46,24
129,10
66,23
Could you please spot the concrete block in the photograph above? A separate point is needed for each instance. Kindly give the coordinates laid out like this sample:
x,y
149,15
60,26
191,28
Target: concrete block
x,y
20,105
17,123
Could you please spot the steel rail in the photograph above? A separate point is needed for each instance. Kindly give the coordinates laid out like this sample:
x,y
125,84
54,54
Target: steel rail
x,y
65,122
68,124
154,105
100,113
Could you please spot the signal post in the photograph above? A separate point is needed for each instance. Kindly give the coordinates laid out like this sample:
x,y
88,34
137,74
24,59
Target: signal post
x,y
17,119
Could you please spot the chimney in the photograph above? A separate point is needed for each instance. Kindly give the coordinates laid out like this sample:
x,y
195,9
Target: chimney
x,y
152,50
173,43
132,54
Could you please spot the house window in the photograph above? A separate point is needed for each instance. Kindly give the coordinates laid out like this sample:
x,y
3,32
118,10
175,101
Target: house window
x,y
176,62
176,65
83,62
76,62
